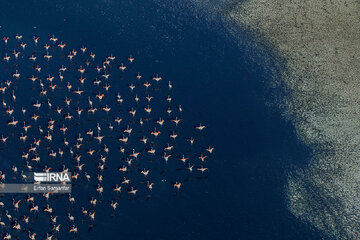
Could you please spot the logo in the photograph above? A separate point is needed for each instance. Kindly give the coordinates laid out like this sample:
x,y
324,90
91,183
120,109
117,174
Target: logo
x,y
52,177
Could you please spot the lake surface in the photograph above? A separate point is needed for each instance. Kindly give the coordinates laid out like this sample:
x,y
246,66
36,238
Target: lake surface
x,y
243,194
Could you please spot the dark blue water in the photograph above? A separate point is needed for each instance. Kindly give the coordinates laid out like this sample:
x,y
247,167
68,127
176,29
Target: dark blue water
x,y
243,196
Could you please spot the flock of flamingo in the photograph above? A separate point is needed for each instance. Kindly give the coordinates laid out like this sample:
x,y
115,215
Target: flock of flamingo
x,y
120,134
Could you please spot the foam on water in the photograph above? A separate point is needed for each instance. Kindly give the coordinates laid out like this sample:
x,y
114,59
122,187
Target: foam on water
x,y
317,41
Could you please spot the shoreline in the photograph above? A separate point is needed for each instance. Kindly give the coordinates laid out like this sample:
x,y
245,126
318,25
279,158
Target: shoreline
x,y
318,41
